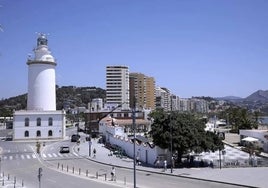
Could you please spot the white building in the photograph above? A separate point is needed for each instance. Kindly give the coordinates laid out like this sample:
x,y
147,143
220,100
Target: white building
x,y
117,86
40,120
163,99
261,137
114,132
38,125
96,105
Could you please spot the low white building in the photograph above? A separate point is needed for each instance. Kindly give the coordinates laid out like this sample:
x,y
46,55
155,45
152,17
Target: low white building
x,y
116,134
261,135
35,125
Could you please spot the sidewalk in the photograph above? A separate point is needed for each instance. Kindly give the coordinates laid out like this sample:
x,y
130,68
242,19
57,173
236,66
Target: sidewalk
x,y
248,177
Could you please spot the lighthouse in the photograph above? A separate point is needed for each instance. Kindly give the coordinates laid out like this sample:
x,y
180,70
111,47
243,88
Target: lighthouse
x,y
41,78
41,120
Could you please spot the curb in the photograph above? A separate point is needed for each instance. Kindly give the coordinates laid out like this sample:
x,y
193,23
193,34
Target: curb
x,y
149,171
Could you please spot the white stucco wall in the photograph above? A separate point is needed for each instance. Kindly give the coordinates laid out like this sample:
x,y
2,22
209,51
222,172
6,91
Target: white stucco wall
x,y
115,135
146,153
57,128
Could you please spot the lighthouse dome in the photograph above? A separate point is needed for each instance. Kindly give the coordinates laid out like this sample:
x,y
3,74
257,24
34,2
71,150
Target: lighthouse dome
x,y
47,57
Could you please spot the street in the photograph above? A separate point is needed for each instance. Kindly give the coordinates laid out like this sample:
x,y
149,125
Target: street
x,y
20,160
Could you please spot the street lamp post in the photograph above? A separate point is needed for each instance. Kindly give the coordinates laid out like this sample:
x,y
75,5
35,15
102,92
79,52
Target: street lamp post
x,y
220,158
0,167
134,144
39,176
171,151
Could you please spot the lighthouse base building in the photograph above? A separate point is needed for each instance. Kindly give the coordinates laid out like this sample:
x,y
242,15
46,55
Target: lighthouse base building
x,y
41,120
38,125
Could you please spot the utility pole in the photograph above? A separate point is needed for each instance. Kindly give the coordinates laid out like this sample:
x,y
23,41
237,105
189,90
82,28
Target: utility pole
x,y
0,166
134,142
134,139
171,149
171,135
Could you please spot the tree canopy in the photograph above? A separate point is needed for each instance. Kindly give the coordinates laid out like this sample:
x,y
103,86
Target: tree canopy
x,y
240,118
186,131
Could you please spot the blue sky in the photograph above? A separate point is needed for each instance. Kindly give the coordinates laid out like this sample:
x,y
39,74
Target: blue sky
x,y
193,47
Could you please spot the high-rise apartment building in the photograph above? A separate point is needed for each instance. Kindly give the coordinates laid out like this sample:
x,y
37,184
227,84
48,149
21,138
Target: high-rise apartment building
x,y
163,99
142,91
117,86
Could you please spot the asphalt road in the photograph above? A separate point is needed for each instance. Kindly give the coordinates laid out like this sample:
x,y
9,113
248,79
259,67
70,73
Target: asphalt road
x,y
19,159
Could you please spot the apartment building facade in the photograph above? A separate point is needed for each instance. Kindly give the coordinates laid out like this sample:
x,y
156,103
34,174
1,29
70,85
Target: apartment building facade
x,y
117,86
142,91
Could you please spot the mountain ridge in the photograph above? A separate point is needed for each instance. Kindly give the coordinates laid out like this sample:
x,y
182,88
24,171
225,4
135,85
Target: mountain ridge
x,y
260,95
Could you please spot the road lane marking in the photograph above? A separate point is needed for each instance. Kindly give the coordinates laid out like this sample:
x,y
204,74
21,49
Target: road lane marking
x,y
33,156
10,157
22,156
44,155
54,154
28,156
49,155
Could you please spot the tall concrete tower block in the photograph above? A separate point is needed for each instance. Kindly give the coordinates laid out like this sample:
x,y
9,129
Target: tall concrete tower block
x,y
117,86
41,78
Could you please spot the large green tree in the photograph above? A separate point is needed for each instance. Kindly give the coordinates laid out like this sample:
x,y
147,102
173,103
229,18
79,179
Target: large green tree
x,y
185,130
241,118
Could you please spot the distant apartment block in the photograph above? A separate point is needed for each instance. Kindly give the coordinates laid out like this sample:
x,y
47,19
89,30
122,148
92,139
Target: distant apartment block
x,y
175,103
163,99
117,86
193,105
142,91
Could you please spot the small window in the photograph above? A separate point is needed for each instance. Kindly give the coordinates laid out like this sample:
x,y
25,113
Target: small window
x,y
38,133
26,122
26,134
50,121
38,121
50,133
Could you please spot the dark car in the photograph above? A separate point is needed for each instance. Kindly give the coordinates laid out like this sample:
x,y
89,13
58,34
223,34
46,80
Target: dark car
x,y
64,149
9,138
75,138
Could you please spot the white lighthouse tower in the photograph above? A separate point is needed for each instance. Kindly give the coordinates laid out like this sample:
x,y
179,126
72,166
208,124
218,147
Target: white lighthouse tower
x,y
41,120
41,78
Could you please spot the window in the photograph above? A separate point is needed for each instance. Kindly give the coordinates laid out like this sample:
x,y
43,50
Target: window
x,y
26,122
50,121
50,133
38,133
38,122
26,134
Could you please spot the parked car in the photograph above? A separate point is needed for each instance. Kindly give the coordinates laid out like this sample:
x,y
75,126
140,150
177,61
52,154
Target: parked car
x,y
9,138
64,149
75,138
